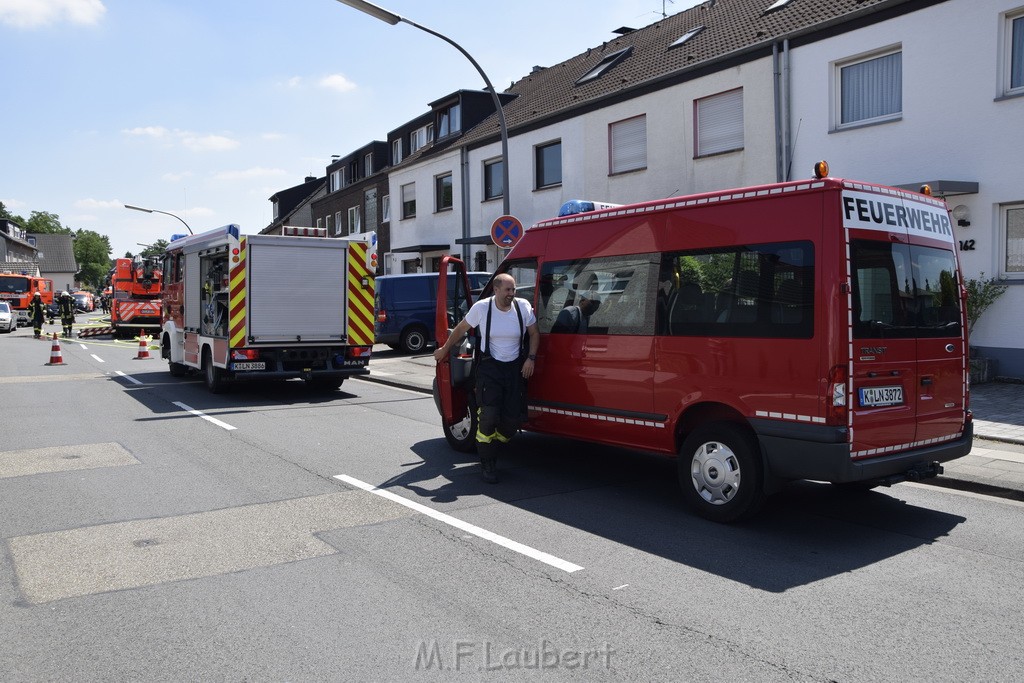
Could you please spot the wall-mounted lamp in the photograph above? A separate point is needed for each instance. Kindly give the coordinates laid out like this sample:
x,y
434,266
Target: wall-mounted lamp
x,y
962,215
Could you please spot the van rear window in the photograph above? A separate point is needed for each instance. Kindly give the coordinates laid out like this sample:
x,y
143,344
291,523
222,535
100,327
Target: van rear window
x,y
904,291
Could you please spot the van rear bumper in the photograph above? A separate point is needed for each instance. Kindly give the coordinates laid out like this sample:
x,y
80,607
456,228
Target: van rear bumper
x,y
822,458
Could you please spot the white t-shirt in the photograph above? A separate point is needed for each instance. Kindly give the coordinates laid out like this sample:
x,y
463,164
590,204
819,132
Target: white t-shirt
x,y
504,341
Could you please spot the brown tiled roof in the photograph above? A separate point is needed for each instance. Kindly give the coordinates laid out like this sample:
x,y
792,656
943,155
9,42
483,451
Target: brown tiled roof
x,y
734,31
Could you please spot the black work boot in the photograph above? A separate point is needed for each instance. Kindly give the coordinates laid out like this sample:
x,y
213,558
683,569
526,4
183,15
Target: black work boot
x,y
489,473
488,462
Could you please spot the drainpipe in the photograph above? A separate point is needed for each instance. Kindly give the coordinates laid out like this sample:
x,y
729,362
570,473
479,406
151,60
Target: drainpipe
x,y
787,148
777,93
464,201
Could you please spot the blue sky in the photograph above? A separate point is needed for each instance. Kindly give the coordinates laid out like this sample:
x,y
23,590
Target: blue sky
x,y
205,108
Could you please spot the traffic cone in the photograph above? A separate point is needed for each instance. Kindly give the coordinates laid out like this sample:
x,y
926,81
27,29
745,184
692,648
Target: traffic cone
x,y
55,357
143,349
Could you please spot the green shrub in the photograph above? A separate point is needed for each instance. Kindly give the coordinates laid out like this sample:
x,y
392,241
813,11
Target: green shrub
x,y
981,293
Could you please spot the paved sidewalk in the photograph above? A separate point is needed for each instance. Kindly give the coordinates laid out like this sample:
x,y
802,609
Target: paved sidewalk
x,y
996,464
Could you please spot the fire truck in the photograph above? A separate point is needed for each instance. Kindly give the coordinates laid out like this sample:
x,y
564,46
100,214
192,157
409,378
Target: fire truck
x,y
295,305
135,303
17,290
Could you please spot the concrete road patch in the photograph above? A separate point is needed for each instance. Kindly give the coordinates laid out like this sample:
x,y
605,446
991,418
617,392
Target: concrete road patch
x,y
110,557
63,459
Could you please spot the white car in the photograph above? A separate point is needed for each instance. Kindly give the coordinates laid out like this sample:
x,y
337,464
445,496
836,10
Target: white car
x,y
8,318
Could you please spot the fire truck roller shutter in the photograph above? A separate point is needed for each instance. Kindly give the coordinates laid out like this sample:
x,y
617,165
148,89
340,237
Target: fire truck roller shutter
x,y
297,289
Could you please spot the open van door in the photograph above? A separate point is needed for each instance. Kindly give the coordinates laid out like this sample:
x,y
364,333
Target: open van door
x,y
453,385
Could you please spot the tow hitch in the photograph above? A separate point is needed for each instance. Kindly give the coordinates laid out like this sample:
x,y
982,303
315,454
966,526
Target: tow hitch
x,y
919,472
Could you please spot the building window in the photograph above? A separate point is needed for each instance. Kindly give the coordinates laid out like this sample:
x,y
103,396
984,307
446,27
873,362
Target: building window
x,y
449,121
719,123
1015,54
409,200
337,223
686,37
870,90
548,160
420,137
627,145
337,179
368,165
604,65
330,223
319,223
385,207
354,224
443,192
494,179
1012,224
396,152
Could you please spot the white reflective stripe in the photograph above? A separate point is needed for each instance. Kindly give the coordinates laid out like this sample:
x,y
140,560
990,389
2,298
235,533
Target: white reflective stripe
x,y
599,417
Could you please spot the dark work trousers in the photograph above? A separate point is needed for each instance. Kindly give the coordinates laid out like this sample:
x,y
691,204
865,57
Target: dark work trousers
x,y
501,401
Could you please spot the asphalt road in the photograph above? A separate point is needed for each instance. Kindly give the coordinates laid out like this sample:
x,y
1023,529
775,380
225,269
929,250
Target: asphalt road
x,y
152,531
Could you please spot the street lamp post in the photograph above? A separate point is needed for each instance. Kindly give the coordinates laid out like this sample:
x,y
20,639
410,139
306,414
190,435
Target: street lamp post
x,y
166,213
392,18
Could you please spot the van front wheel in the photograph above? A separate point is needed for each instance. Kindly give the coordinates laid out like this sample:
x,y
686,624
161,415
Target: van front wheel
x,y
461,434
720,472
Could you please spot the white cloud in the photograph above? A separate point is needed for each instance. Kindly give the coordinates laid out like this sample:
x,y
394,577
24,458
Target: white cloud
x,y
207,143
196,142
176,177
99,204
13,204
35,13
146,131
294,82
249,173
337,82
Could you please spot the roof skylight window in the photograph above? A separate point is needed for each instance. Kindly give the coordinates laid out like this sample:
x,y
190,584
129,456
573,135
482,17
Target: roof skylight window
x,y
686,36
608,62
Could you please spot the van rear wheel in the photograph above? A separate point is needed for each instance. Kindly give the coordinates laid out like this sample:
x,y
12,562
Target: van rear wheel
x,y
212,375
720,472
413,339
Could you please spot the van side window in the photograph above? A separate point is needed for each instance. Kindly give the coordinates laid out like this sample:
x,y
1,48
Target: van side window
x,y
607,295
762,290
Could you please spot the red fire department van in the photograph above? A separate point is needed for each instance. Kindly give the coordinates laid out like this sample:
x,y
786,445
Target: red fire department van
x,y
802,330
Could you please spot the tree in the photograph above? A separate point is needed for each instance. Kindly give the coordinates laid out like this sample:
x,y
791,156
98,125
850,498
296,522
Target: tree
x,y
5,214
92,251
155,249
44,222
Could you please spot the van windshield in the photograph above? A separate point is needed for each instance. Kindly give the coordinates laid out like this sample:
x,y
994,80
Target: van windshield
x,y
904,291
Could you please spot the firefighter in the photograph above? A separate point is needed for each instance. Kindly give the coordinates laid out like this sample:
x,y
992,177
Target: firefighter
x,y
67,313
37,312
501,371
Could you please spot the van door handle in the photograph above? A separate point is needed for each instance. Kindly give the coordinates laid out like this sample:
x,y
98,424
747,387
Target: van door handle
x,y
926,381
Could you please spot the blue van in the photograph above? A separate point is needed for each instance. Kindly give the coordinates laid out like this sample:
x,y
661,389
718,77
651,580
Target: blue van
x,y
405,307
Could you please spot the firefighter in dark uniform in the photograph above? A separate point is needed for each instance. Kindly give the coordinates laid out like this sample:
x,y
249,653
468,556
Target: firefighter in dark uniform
x,y
503,366
67,313
37,312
